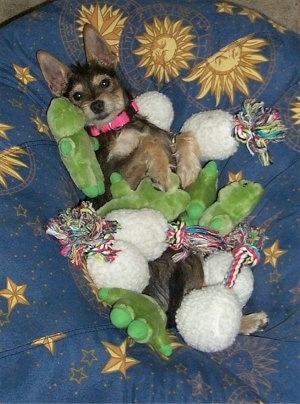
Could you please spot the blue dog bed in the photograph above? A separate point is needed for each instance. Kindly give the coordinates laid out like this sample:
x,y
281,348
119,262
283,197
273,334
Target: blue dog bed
x,y
56,342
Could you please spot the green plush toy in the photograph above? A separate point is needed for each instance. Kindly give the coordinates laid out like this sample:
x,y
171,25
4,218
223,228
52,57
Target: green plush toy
x,y
235,202
203,193
141,315
170,203
76,147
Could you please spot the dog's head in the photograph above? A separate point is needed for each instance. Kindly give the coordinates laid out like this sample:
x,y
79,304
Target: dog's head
x,y
94,87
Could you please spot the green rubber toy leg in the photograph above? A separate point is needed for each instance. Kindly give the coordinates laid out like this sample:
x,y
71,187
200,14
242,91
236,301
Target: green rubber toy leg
x,y
121,316
140,330
94,191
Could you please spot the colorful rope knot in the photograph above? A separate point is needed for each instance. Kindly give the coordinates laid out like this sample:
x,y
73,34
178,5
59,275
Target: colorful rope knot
x,y
175,235
193,239
257,126
82,232
243,255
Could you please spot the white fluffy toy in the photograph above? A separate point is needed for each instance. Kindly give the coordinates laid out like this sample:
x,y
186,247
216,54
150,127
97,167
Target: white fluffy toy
x,y
209,319
117,249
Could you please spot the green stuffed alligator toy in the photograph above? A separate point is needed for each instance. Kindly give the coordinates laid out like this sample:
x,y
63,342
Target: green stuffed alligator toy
x,y
141,315
235,202
76,147
170,203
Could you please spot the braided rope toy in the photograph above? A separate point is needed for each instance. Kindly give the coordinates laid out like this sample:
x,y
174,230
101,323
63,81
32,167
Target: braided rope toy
x,y
257,126
82,232
244,242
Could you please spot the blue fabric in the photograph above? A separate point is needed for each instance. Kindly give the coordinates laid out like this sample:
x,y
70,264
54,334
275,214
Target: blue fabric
x,y
56,341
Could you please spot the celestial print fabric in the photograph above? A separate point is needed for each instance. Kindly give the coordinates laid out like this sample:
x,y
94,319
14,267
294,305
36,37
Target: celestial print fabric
x,y
57,343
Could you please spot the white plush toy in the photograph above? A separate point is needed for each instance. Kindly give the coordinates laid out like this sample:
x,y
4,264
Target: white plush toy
x,y
140,238
209,319
157,108
213,130
117,248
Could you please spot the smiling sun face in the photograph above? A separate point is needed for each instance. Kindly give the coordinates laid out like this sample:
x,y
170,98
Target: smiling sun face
x,y
230,69
165,48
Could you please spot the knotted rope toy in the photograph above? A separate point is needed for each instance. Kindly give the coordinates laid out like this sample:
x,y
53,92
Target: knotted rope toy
x,y
82,232
246,243
189,239
257,126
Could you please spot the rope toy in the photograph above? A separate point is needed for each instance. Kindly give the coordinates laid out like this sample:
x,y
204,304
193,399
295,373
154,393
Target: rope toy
x,y
242,255
82,232
193,238
257,126
245,242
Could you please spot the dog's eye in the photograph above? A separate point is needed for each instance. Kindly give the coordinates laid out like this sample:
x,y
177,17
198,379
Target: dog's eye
x,y
105,83
77,96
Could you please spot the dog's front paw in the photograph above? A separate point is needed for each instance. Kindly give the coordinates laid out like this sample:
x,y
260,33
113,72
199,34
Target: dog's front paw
x,y
187,158
161,180
188,172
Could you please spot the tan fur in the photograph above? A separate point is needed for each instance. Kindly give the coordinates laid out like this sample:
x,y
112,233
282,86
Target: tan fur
x,y
188,158
254,322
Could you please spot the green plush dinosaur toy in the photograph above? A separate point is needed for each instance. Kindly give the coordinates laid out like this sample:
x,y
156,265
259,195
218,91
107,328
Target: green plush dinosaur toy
x,y
203,193
235,202
141,315
170,203
76,147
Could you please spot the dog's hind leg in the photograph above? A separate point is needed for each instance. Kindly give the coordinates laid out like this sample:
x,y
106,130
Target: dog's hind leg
x,y
254,322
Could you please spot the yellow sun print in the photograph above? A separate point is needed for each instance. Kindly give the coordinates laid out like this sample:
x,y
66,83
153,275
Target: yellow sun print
x,y
296,110
40,125
10,160
3,129
230,69
108,21
165,48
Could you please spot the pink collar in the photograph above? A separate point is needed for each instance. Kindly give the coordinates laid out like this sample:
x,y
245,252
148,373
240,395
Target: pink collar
x,y
119,122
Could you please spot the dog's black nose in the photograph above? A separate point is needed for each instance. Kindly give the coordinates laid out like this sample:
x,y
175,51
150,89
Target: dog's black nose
x,y
97,106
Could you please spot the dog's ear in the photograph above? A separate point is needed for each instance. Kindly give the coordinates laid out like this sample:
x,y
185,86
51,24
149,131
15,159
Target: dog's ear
x,y
97,49
55,72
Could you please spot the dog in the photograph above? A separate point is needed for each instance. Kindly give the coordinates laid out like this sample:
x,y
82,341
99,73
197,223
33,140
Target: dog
x,y
136,150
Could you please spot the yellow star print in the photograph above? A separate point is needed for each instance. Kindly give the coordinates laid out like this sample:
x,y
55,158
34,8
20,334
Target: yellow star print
x,y
14,294
273,253
20,211
23,74
88,357
78,375
49,341
277,26
119,361
252,14
233,177
225,8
